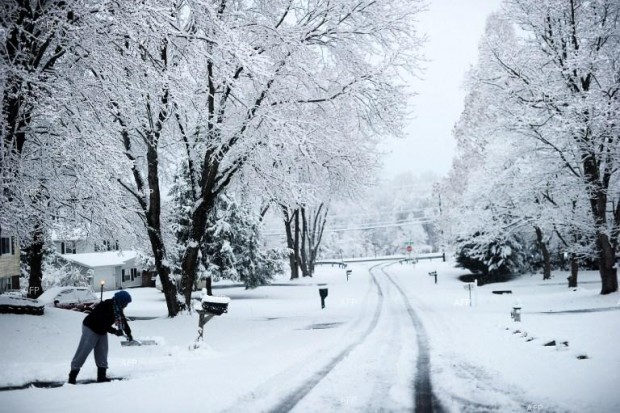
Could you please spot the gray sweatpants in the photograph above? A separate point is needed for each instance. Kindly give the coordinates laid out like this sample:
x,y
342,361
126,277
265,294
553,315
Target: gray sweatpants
x,y
89,341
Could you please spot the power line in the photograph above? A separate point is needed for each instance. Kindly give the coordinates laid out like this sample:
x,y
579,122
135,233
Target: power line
x,y
367,227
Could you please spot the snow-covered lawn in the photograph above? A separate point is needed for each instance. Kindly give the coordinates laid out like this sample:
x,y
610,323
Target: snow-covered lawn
x,y
357,354
480,354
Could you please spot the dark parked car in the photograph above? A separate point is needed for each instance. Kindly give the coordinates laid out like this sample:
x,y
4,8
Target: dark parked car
x,y
70,298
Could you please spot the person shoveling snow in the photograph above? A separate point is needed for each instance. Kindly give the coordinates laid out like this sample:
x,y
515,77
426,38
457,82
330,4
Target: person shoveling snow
x,y
102,320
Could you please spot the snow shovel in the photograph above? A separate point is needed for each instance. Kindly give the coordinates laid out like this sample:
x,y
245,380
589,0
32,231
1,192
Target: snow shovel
x,y
134,342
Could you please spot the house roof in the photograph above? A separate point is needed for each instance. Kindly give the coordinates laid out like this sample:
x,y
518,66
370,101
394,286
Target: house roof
x,y
101,259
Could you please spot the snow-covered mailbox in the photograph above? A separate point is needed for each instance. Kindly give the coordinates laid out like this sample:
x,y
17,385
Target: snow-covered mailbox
x,y
214,304
209,307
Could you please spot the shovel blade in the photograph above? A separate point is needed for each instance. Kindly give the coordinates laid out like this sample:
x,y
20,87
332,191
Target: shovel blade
x,y
138,343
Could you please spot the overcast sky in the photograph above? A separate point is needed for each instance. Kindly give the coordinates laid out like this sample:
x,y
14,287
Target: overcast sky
x,y
453,28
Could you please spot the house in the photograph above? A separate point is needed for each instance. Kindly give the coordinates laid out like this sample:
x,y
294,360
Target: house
x,y
76,241
9,262
112,269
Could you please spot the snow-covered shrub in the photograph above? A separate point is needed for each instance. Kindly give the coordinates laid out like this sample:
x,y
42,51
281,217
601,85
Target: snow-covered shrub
x,y
60,273
495,257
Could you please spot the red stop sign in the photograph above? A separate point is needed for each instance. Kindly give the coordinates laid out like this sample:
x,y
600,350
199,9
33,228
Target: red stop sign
x,y
409,248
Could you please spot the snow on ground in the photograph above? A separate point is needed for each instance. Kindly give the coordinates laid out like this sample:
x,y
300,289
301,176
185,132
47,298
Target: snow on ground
x,y
480,354
276,340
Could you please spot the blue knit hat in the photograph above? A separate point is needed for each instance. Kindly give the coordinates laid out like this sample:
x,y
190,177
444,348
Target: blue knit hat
x,y
122,297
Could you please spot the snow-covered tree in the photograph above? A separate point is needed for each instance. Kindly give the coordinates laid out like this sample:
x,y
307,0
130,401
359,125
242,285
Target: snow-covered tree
x,y
292,95
276,78
53,174
539,120
130,73
34,38
564,86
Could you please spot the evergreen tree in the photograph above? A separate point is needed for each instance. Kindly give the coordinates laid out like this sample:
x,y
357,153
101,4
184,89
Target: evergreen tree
x,y
181,196
232,249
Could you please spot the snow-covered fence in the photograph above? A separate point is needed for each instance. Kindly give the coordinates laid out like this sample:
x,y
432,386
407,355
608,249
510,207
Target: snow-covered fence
x,y
340,264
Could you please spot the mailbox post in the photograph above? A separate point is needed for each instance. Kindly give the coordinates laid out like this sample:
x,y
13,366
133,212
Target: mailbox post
x,y
433,274
323,294
469,287
209,307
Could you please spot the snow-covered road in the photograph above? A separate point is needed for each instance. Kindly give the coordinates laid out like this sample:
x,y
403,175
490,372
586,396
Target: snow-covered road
x,y
382,351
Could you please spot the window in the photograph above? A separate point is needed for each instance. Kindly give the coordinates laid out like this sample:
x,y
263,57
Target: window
x,y
129,276
68,247
7,246
9,283
110,246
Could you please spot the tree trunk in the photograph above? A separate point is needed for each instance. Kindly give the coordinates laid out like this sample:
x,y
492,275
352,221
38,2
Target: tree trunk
x,y
312,235
545,253
296,242
198,227
169,288
598,204
189,272
574,270
153,213
305,243
209,286
35,259
290,242
609,274
158,248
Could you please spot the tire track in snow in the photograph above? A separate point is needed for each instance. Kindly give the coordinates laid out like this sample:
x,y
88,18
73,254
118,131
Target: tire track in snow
x,y
302,391
424,399
486,384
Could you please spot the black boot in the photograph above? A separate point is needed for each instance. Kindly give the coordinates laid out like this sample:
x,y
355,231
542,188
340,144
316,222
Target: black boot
x,y
73,376
101,376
